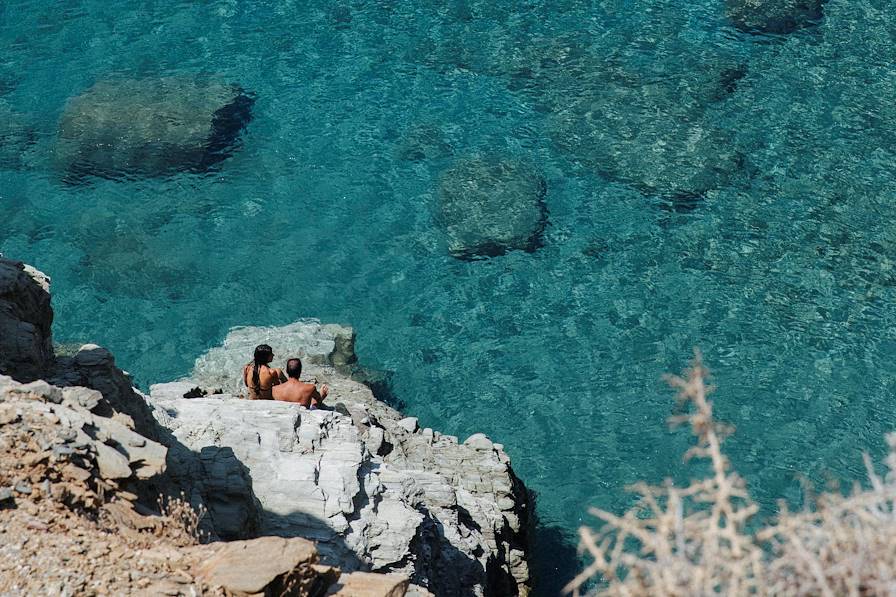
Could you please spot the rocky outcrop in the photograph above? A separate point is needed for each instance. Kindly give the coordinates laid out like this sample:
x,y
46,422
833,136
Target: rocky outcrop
x,y
773,16
150,127
26,344
373,488
71,522
489,206
83,454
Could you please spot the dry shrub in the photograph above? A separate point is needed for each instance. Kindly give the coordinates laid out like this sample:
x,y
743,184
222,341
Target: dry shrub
x,y
184,521
695,541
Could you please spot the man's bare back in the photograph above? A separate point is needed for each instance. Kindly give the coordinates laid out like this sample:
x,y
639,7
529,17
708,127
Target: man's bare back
x,y
300,392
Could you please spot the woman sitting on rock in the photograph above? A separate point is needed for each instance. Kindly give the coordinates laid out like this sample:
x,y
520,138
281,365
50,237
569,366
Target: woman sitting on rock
x,y
260,378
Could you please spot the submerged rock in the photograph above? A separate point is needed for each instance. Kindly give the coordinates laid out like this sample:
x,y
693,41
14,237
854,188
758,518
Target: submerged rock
x,y
773,16
649,136
489,206
150,127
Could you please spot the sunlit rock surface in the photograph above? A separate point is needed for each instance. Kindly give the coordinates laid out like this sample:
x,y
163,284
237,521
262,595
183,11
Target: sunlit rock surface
x,y
375,491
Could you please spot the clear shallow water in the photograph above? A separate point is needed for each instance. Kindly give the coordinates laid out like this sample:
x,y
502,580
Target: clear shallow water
x,y
782,271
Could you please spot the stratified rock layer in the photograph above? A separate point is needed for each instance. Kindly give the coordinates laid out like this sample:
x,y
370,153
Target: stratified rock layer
x,y
150,127
372,488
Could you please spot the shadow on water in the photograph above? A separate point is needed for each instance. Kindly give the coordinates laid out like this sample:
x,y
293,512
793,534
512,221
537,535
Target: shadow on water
x,y
559,561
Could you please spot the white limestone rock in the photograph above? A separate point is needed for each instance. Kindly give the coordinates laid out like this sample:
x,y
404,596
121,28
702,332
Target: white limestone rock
x,y
371,490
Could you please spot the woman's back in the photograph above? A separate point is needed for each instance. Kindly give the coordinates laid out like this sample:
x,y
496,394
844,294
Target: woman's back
x,y
259,377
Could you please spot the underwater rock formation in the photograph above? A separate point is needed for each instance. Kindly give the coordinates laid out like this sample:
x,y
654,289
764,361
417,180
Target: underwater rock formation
x,y
150,127
773,16
491,205
650,136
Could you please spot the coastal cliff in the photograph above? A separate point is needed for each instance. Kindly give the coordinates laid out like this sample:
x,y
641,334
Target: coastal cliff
x,y
352,490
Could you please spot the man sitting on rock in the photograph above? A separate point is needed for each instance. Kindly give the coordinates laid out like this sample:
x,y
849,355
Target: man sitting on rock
x,y
295,390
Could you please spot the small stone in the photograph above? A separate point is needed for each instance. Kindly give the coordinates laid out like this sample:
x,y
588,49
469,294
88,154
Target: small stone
x,y
368,584
8,415
23,488
506,503
62,451
250,566
112,463
375,439
85,397
67,435
5,494
76,472
409,424
478,441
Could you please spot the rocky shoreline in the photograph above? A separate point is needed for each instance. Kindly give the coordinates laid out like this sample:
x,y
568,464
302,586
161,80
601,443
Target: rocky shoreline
x,y
369,487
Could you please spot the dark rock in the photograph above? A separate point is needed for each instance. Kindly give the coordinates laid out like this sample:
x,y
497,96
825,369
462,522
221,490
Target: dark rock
x,y
196,392
26,344
773,16
489,206
150,127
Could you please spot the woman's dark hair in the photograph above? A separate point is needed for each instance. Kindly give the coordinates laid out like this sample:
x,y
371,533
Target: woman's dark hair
x,y
263,354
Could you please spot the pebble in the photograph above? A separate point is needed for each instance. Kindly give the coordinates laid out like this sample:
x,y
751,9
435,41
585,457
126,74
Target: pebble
x,y
409,424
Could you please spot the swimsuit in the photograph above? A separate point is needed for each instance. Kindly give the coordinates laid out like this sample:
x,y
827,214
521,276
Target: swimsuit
x,y
260,392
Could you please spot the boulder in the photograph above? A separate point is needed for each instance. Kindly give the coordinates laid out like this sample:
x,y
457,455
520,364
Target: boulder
x,y
773,16
26,344
150,127
265,565
489,206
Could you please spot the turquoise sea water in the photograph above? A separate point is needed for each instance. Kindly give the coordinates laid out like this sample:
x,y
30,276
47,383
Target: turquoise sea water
x,y
705,187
